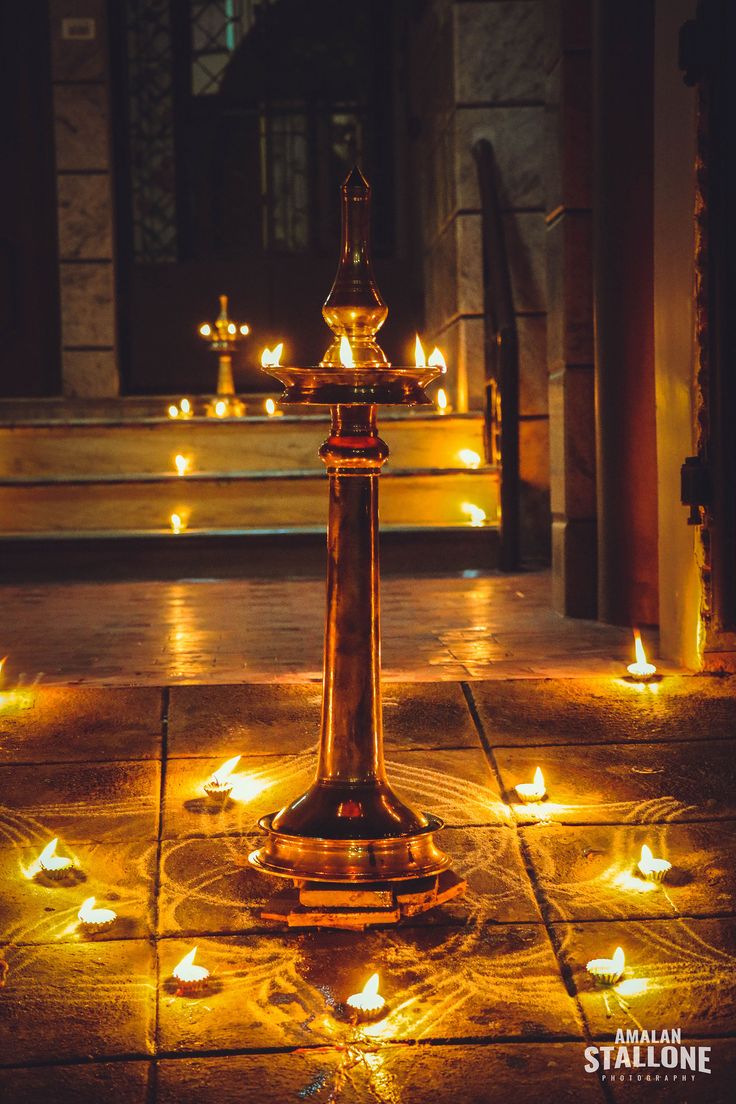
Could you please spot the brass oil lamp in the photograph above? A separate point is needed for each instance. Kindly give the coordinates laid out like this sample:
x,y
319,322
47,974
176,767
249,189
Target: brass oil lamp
x,y
350,827
223,337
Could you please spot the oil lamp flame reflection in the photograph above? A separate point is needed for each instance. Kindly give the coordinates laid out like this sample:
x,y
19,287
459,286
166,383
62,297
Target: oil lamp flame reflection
x,y
653,870
442,400
532,791
346,353
607,971
190,975
642,669
369,1001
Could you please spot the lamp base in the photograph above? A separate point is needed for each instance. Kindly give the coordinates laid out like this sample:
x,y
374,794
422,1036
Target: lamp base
x,y
355,908
319,859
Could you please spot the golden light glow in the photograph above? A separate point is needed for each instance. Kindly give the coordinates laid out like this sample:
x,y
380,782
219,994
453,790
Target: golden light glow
x,y
436,360
270,407
346,353
642,668
182,464
442,400
532,791
173,411
654,870
220,408
469,457
245,329
369,1000
271,358
49,862
419,357
607,970
205,329
220,781
475,513
632,987
185,406
177,523
189,972
96,917
232,328
2,664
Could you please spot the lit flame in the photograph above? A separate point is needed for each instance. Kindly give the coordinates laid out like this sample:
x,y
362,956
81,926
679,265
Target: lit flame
x,y
270,407
232,328
608,969
469,457
244,329
187,971
177,523
475,513
642,668
222,775
49,860
220,408
88,914
205,329
436,360
185,406
369,999
441,400
532,791
650,867
271,358
346,353
173,411
419,357
182,464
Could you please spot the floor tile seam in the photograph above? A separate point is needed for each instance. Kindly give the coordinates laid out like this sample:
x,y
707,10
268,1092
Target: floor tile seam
x,y
537,890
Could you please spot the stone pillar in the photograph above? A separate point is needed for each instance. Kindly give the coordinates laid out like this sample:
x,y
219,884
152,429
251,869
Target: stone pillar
x,y
570,306
484,78
81,97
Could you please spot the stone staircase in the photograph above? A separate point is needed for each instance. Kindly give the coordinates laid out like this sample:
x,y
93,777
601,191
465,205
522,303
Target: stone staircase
x,y
98,470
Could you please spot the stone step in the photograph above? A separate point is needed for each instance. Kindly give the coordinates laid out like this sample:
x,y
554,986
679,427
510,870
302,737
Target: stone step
x,y
229,504
108,448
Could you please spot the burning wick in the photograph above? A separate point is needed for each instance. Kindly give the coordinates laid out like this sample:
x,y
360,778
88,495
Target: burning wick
x,y
470,458
607,971
653,870
220,408
369,1003
270,408
185,408
436,360
177,523
191,978
220,783
346,353
442,400
270,358
182,464
53,865
532,791
95,920
475,513
641,669
173,411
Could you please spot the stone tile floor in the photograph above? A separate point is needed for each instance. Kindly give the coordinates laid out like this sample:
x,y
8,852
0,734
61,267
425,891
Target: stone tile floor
x,y
488,997
451,627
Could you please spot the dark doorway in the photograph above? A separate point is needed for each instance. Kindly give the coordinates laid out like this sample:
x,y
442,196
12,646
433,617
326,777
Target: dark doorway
x,y
240,121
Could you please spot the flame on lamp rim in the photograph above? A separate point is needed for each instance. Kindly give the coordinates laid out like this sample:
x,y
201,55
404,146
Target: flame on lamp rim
x,y
271,358
368,999
188,971
88,914
436,360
